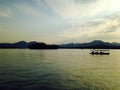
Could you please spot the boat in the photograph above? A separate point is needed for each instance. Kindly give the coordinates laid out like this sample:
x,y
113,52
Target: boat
x,y
99,52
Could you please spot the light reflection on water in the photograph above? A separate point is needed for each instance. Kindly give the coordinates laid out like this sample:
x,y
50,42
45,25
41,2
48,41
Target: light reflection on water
x,y
59,69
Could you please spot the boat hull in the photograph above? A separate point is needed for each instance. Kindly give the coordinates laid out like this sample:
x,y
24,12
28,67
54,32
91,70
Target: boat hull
x,y
100,53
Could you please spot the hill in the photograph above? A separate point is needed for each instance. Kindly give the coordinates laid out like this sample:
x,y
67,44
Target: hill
x,y
96,44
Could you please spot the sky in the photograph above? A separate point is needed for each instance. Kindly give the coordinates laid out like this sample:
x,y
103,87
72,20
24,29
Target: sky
x,y
59,21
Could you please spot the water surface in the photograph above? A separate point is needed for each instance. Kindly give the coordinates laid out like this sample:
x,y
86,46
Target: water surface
x,y
26,69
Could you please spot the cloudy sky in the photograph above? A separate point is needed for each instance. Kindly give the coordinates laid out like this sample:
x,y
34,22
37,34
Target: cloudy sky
x,y
59,21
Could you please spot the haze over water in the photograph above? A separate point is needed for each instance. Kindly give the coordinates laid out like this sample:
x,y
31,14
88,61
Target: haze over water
x,y
26,69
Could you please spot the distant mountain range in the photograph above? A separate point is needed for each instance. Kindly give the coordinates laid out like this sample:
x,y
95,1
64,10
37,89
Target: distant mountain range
x,y
20,44
25,45
96,44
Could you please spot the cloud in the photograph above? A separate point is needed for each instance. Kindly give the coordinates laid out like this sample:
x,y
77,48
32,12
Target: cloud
x,y
27,9
85,1
104,28
85,9
59,20
42,5
6,12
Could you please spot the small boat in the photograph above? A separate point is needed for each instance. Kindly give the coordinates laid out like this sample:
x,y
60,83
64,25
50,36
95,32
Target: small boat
x,y
99,52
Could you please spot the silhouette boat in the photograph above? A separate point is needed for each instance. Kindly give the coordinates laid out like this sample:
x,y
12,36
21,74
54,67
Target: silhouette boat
x,y
100,52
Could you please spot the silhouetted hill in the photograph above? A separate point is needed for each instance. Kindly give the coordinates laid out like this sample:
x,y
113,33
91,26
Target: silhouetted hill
x,y
96,44
6,45
42,46
70,45
32,42
21,44
30,45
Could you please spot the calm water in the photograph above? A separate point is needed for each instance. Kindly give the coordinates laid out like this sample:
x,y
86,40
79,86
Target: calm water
x,y
58,69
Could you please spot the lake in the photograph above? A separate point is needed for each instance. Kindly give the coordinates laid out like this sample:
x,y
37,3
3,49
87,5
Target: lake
x,y
24,69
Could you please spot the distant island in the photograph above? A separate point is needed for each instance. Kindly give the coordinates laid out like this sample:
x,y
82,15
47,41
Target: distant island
x,y
96,44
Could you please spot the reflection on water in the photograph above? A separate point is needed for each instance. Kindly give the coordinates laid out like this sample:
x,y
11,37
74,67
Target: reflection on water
x,y
58,69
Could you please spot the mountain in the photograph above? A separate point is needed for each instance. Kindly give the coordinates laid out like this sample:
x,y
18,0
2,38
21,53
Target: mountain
x,y
70,45
30,45
32,42
42,46
96,44
20,44
6,45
